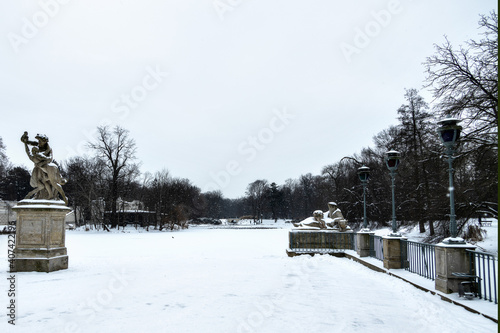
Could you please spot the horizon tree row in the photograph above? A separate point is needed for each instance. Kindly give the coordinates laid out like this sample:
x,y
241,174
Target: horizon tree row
x,y
464,84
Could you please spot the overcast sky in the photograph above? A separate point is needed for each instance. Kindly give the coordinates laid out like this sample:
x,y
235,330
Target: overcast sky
x,y
220,92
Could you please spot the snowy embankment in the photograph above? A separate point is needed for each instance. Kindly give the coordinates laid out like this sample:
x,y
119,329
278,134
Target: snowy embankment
x,y
212,280
489,244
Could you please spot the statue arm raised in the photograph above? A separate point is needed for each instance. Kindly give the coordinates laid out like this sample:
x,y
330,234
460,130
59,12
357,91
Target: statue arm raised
x,y
25,140
28,152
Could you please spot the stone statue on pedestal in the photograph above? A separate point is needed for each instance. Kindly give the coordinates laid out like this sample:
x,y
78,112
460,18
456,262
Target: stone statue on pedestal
x,y
332,220
40,225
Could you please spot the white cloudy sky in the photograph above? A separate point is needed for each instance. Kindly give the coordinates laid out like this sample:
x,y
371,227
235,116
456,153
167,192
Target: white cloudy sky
x,y
223,75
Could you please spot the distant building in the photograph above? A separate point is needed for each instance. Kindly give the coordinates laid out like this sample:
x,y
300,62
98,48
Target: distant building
x,y
8,215
131,212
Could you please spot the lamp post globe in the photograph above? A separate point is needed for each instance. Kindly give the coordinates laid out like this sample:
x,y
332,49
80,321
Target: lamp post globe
x,y
449,133
364,175
392,159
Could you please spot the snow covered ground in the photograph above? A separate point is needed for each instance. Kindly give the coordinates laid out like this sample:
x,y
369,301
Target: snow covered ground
x,y
219,280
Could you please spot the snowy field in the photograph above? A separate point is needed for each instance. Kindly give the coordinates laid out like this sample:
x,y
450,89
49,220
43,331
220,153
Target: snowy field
x,y
218,280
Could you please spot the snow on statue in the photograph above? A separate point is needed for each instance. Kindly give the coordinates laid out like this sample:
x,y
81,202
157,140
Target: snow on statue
x,y
332,219
46,177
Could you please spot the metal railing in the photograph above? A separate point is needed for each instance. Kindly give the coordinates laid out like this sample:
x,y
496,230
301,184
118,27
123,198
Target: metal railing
x,y
376,247
419,258
485,266
321,242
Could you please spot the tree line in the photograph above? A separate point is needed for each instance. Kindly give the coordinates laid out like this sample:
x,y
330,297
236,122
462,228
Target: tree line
x,y
464,84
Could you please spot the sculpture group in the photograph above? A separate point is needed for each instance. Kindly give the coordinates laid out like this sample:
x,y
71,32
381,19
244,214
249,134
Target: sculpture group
x,y
40,225
46,178
331,220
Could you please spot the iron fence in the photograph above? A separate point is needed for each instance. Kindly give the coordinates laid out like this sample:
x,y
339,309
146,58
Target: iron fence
x,y
376,247
485,266
419,258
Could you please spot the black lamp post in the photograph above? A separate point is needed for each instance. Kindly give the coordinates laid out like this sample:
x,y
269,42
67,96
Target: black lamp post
x,y
449,133
364,175
392,161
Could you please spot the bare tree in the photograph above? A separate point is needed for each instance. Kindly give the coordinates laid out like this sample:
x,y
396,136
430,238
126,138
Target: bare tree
x,y
117,150
465,82
86,188
257,194
415,130
159,196
214,202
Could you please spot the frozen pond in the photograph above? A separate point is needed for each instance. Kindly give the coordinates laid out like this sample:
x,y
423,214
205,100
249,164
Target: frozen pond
x,y
219,280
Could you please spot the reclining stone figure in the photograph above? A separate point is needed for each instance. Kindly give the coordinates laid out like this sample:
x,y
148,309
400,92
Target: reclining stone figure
x,y
332,220
337,219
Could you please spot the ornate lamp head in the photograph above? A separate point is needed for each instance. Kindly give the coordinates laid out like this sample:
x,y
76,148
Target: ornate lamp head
x,y
449,131
392,158
364,173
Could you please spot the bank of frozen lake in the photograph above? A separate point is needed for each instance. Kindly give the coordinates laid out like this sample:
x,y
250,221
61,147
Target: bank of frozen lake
x,y
219,280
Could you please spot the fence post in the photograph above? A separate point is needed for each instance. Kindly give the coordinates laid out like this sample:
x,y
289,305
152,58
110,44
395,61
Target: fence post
x,y
392,252
363,243
451,258
403,247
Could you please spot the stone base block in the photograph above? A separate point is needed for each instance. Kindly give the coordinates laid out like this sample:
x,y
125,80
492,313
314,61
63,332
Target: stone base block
x,y
22,253
40,260
363,240
447,285
40,236
451,259
392,252
46,265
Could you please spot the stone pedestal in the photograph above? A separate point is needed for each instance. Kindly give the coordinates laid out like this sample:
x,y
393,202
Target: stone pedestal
x,y
363,241
451,258
392,252
40,236
320,239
